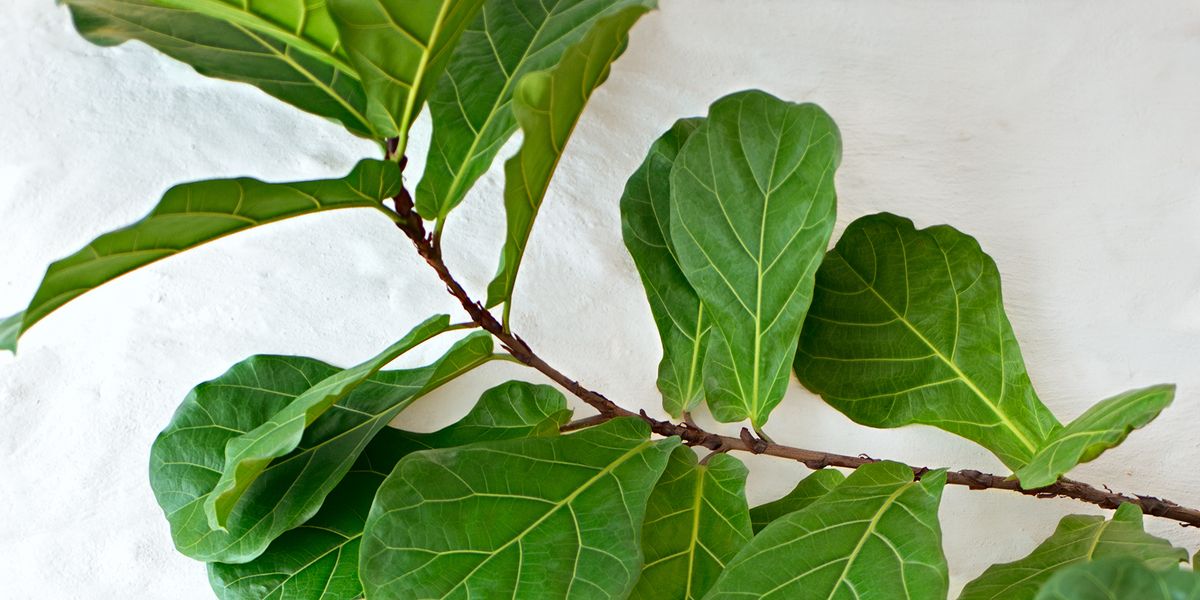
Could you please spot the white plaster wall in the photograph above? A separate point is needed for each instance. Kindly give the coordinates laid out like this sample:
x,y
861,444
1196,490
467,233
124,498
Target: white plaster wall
x,y
1064,135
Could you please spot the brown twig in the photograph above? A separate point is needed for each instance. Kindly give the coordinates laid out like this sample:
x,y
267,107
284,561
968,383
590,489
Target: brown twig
x,y
414,227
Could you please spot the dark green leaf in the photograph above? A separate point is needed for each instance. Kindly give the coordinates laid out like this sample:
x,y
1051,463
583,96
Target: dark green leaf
x,y
875,536
535,518
815,486
248,454
258,46
471,110
678,313
400,49
192,214
1103,426
1078,539
547,105
319,559
752,209
187,458
907,326
1120,578
696,521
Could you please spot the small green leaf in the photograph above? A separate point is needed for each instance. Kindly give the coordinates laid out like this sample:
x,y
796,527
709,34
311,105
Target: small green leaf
x,y
907,326
696,522
1103,426
535,518
192,214
187,458
1120,578
471,110
815,486
400,49
1078,539
319,559
547,105
752,209
875,536
249,453
678,313
288,50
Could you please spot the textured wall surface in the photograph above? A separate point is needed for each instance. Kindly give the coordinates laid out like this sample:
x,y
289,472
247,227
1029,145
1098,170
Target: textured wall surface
x,y
1062,134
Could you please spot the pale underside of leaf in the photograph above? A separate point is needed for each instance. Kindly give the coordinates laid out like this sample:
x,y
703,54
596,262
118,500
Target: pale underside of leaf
x,y
907,326
471,105
193,214
752,210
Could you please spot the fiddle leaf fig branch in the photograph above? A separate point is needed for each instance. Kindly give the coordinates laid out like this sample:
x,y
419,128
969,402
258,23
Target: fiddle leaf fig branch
x,y
283,475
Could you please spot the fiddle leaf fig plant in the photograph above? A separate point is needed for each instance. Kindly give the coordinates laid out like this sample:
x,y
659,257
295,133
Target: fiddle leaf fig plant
x,y
284,476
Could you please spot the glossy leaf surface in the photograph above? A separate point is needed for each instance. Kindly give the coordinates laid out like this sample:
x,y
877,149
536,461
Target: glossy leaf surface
x,y
1120,578
246,455
547,105
260,47
907,326
192,214
696,522
535,518
816,485
678,313
472,104
319,559
1103,426
187,458
752,209
1078,539
400,49
875,537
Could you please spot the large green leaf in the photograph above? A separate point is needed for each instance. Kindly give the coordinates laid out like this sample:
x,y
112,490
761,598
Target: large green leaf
x,y
192,214
752,209
876,536
815,486
907,326
471,105
678,313
187,458
696,522
535,518
1120,578
319,559
286,49
248,454
400,49
1078,539
547,105
1103,426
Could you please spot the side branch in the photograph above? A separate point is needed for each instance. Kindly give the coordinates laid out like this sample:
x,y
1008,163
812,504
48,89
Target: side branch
x,y
426,245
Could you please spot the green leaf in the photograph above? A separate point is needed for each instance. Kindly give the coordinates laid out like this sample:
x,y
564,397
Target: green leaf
x,y
1078,539
1120,578
678,313
907,326
752,209
319,559
192,214
187,458
1103,426
470,106
875,536
815,486
696,522
535,518
547,105
400,49
248,454
259,46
